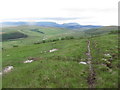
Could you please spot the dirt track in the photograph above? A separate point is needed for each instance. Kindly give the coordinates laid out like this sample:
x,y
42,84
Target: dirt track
x,y
91,78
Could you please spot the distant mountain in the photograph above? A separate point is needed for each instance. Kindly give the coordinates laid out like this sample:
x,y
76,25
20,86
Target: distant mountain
x,y
50,24
13,23
77,26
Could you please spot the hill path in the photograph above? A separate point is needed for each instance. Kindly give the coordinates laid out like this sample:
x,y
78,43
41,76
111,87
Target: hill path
x,y
91,77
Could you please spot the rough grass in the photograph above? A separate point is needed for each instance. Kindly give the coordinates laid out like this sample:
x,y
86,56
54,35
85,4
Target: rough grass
x,y
47,74
104,74
60,69
48,71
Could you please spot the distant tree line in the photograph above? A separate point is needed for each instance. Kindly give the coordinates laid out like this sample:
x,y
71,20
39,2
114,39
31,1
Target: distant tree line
x,y
13,35
37,30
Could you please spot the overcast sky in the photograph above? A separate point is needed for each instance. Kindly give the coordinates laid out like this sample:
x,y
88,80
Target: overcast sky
x,y
92,12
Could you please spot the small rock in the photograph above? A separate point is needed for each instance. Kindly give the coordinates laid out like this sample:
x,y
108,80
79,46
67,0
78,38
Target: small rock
x,y
28,61
104,59
53,50
107,55
7,69
82,63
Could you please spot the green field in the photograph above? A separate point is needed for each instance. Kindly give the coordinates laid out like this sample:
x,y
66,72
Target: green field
x,y
60,69
34,36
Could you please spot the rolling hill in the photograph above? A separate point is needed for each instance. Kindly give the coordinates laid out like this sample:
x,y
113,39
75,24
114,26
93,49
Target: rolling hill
x,y
32,34
101,30
62,68
60,57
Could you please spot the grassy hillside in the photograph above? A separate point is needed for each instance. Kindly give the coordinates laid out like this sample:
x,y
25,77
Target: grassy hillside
x,y
36,34
97,48
101,30
61,68
104,51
